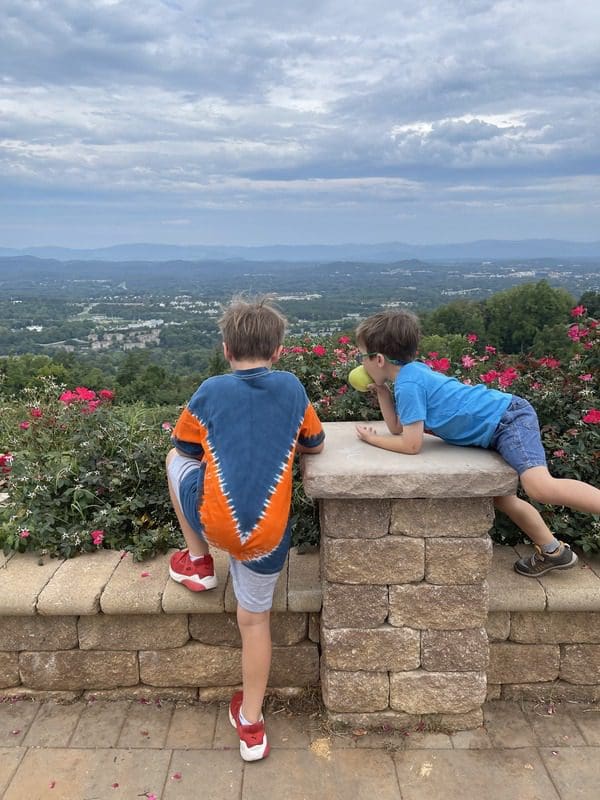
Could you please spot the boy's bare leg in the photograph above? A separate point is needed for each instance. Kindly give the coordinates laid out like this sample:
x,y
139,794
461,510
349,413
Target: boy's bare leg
x,y
255,629
525,517
196,545
541,486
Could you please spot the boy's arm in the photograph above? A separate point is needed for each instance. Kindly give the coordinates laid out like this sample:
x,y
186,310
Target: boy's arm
x,y
387,407
311,438
409,441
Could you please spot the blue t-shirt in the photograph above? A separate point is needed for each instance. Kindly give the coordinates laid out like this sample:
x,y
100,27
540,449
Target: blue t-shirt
x,y
454,411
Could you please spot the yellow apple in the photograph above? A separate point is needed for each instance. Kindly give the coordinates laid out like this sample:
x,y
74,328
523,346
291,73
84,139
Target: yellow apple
x,y
360,379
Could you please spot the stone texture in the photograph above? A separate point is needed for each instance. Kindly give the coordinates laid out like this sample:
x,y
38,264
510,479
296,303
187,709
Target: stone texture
x,y
346,606
195,664
510,591
422,692
426,606
132,631
176,599
452,723
375,649
355,691
22,580
457,561
580,663
295,666
552,691
304,581
498,625
38,633
355,519
460,517
454,651
348,468
75,588
556,627
314,627
222,629
76,669
389,560
136,587
9,670
387,720
144,694
520,663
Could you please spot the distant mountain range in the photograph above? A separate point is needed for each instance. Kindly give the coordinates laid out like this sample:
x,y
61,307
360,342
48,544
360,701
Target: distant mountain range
x,y
495,249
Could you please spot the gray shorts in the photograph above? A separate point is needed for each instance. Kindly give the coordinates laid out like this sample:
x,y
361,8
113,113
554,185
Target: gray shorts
x,y
253,590
517,437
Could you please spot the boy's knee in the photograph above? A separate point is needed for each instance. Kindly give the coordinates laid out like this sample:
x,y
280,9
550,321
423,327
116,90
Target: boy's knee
x,y
170,456
249,619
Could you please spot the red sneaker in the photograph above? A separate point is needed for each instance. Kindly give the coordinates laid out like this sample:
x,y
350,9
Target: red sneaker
x,y
194,575
253,739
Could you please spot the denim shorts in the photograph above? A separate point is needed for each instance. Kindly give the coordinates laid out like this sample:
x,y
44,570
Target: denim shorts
x,y
517,437
253,590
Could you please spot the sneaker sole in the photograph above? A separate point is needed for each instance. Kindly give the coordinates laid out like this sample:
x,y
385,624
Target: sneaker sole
x,y
549,568
251,753
198,585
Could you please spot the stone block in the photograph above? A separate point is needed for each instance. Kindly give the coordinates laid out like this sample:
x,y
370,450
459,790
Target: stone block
x,y
454,651
523,663
76,669
453,517
222,629
75,588
295,666
457,561
580,663
422,692
355,691
498,625
389,560
22,580
146,694
132,631
510,591
136,587
452,723
314,627
38,633
551,692
176,599
304,591
194,664
426,606
385,721
556,627
347,606
9,670
494,691
375,649
355,519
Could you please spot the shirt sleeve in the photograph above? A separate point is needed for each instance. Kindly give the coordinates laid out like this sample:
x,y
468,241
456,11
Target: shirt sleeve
x,y
187,435
311,430
411,403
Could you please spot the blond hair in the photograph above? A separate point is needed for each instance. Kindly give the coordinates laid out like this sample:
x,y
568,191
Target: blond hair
x,y
394,334
252,328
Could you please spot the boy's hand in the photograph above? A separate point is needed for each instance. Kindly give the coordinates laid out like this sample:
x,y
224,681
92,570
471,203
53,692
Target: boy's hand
x,y
366,433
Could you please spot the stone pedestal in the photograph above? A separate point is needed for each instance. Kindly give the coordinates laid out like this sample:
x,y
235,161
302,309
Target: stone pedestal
x,y
405,556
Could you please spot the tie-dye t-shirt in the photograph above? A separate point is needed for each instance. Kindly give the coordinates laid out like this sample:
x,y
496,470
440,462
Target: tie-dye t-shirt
x,y
244,427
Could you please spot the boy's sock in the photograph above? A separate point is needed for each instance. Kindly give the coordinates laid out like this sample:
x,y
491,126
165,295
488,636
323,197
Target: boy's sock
x,y
244,721
551,547
195,558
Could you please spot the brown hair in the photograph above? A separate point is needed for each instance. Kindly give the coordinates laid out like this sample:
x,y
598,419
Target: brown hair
x,y
394,334
252,328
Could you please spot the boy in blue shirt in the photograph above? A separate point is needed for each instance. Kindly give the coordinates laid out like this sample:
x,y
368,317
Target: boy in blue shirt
x,y
467,415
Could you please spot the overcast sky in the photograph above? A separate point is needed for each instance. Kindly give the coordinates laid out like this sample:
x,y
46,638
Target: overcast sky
x,y
309,121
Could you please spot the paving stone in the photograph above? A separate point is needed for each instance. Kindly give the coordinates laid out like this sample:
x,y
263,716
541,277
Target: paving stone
x,y
477,739
75,588
304,581
507,725
192,727
554,730
510,591
552,690
9,761
588,722
574,771
322,772
473,775
15,719
72,774
22,581
176,599
136,587
53,726
100,724
215,776
427,741
146,725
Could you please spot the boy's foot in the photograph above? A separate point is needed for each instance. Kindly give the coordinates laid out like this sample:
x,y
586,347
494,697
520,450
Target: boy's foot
x,y
540,562
196,575
253,739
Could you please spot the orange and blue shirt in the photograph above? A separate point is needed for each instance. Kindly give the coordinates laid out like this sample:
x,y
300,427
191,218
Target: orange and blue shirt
x,y
243,427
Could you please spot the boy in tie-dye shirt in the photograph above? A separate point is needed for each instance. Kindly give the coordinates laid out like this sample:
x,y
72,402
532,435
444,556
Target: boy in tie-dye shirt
x,y
230,480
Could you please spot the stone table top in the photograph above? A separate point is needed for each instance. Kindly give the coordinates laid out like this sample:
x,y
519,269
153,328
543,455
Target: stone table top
x,y
350,468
